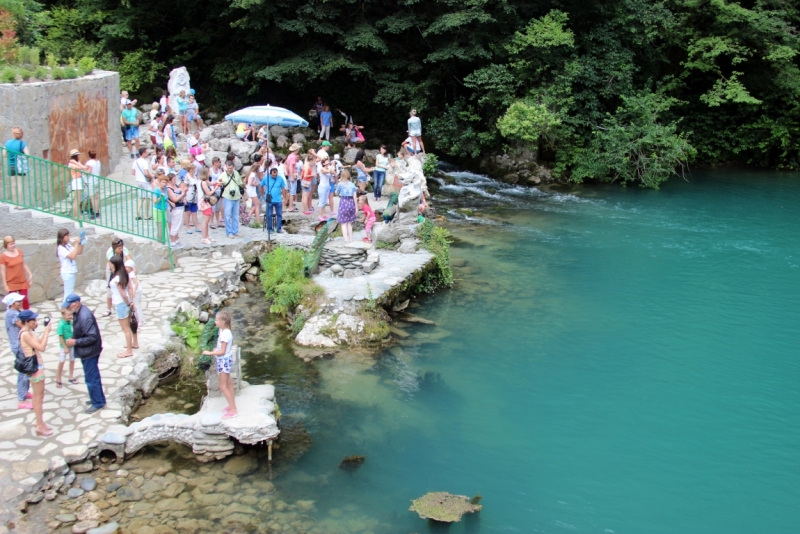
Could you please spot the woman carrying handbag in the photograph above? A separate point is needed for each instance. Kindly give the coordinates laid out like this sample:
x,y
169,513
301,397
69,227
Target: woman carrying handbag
x,y
32,347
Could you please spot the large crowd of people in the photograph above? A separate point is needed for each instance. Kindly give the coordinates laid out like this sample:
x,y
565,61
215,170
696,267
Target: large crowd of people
x,y
185,191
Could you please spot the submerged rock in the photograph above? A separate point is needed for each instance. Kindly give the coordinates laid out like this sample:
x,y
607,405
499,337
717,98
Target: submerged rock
x,y
443,506
351,463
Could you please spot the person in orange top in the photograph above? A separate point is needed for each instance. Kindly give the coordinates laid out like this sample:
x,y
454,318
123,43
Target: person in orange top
x,y
14,273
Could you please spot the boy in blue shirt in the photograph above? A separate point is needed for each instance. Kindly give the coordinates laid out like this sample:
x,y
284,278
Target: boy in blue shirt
x,y
273,187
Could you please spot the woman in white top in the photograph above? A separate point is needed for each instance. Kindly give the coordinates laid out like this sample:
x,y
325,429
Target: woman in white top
x,y
122,297
66,255
76,170
325,173
93,183
251,183
117,248
133,282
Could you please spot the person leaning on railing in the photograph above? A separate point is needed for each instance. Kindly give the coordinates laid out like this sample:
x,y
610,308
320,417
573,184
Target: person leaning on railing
x,y
76,170
17,166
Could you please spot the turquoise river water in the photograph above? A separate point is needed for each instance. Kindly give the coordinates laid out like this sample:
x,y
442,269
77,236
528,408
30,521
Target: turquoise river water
x,y
611,360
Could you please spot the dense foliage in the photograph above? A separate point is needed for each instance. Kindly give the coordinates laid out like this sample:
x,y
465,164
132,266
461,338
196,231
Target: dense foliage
x,y
623,89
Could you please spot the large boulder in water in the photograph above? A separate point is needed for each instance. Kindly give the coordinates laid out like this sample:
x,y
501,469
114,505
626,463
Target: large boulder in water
x,y
444,507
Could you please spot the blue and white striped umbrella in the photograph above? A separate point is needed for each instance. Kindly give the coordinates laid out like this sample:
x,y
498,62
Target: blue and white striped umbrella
x,y
270,115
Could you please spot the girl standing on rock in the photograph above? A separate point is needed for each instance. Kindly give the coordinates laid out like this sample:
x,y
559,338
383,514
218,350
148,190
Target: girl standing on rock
x,y
381,164
224,354
33,347
347,205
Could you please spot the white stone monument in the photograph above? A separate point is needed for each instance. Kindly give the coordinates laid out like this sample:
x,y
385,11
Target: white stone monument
x,y
178,81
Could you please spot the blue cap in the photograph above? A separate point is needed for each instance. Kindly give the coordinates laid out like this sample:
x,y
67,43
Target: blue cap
x,y
27,315
71,298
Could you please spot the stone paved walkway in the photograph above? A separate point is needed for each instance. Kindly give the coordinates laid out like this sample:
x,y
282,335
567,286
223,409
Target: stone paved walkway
x,y
24,457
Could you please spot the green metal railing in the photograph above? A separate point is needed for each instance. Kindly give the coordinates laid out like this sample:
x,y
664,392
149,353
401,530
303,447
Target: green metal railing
x,y
48,187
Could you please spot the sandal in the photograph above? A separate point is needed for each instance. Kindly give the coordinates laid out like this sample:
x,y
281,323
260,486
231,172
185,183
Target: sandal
x,y
59,385
73,380
49,431
230,415
107,314
122,355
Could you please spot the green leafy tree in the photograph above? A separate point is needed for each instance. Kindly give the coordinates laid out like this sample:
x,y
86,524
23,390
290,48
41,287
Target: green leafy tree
x,y
634,147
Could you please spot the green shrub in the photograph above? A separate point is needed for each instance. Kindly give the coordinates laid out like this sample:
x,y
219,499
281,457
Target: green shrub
x,y
35,57
430,165
71,63
70,73
40,73
8,75
86,65
283,280
25,74
436,240
189,329
52,62
57,73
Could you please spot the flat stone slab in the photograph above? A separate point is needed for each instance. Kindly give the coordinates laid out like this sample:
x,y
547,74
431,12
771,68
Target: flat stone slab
x,y
393,271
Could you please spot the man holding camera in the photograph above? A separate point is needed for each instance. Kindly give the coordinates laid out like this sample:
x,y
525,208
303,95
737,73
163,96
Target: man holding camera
x,y
273,188
88,346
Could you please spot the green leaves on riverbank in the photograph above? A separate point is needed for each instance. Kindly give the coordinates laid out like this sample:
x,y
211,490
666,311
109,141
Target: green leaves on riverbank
x,y
283,279
436,240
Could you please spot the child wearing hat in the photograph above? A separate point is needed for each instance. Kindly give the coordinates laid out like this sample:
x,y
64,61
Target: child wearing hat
x,y
13,302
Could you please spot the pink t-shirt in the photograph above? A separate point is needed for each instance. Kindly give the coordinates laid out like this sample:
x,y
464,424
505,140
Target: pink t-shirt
x,y
291,161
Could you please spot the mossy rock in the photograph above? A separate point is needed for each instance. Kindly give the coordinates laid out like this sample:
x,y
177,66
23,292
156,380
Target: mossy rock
x,y
444,507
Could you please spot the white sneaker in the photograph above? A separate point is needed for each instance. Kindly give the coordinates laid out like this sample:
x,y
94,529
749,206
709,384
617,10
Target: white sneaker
x,y
177,244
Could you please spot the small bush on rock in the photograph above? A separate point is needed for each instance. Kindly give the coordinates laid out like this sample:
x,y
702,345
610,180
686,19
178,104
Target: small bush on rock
x,y
430,165
436,240
8,75
57,73
86,65
283,280
40,73
25,74
70,73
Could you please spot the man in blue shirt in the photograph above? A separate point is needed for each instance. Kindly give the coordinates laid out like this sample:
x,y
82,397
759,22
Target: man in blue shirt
x,y
273,187
130,119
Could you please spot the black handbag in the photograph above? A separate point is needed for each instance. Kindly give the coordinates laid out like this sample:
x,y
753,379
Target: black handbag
x,y
26,365
134,321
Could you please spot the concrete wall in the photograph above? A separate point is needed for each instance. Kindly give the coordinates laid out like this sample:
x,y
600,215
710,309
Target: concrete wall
x,y
57,116
40,256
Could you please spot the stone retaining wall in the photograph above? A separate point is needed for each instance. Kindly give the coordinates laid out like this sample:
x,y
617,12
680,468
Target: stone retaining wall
x,y
40,256
59,115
